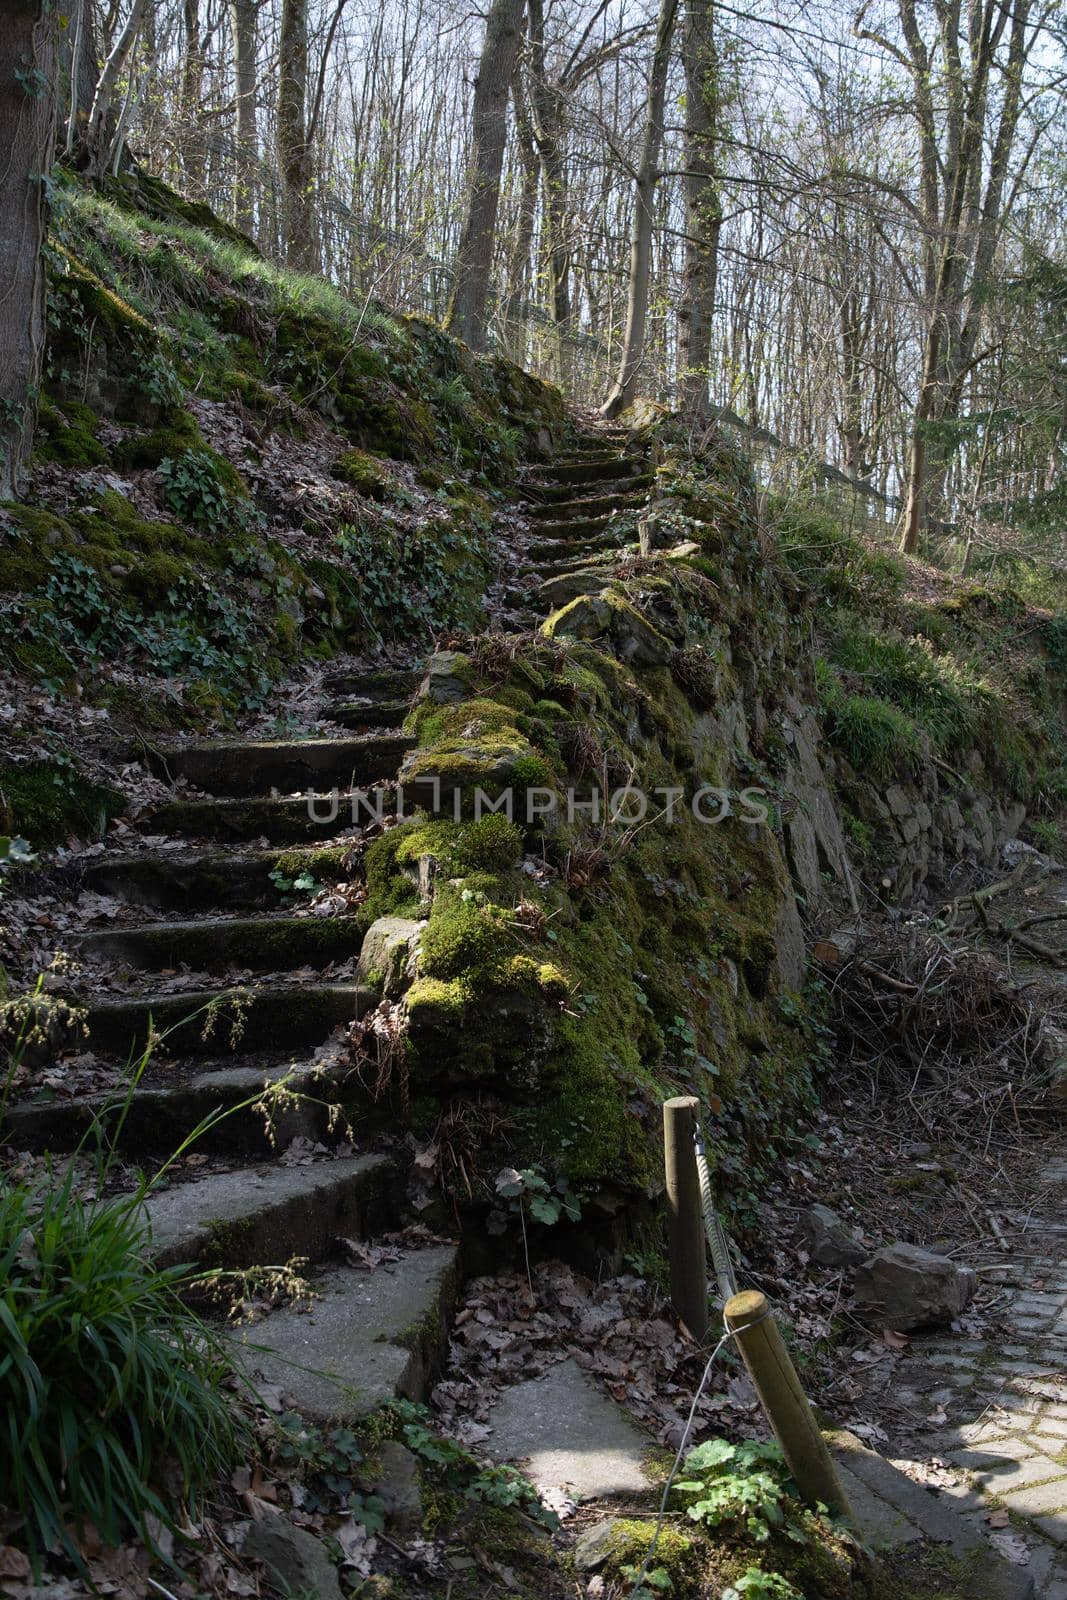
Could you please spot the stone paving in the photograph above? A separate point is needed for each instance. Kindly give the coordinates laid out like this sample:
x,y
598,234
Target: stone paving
x,y
1004,1396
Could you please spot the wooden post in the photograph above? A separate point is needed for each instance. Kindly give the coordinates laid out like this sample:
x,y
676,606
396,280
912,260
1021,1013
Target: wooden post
x,y
750,1320
685,1224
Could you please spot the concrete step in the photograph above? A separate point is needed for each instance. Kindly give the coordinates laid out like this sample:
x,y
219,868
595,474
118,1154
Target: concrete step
x,y
171,1101
278,1017
557,503
264,1215
237,769
201,880
286,821
362,715
215,944
382,683
367,1338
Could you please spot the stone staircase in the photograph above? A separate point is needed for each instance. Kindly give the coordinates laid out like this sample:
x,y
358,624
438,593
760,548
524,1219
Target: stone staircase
x,y
266,988
583,509
214,990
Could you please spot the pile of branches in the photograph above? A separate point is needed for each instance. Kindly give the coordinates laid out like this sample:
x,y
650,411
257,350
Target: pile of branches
x,y
940,1029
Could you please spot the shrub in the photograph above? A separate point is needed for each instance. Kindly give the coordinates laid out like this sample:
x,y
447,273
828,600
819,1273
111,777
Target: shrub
x,y
105,1376
909,676
880,740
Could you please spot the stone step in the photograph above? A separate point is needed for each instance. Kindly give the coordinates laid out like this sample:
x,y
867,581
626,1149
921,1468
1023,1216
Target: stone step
x,y
237,769
382,683
611,468
363,715
214,944
264,1215
560,501
276,1017
367,1338
286,821
576,528
567,549
169,1102
559,569
201,880
561,590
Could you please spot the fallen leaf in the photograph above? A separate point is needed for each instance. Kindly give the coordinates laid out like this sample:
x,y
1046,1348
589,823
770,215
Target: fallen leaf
x,y
13,1564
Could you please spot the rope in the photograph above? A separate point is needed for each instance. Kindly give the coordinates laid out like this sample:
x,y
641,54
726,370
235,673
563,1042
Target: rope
x,y
720,1250
641,1576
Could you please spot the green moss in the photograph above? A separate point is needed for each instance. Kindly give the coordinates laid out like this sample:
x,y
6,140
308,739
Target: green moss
x,y
68,435
365,473
49,802
177,432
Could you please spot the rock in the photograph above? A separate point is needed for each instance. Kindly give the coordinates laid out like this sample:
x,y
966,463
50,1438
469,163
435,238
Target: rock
x,y
594,1546
386,957
905,1287
830,1243
296,1562
449,678
398,1488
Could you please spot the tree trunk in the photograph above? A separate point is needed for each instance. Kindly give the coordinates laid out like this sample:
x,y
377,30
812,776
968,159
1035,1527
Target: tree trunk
x,y
633,348
27,121
243,27
703,208
79,68
194,155
293,151
518,273
468,315
99,134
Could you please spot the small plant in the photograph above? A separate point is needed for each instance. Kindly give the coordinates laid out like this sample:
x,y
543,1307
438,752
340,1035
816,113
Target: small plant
x,y
303,883
193,489
744,1485
502,1487
755,1584
529,1192
326,1462
13,853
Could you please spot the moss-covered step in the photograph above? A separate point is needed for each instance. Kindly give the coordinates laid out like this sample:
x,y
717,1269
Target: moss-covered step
x,y
612,469
236,769
361,714
211,944
202,880
384,683
367,1337
264,1215
286,821
574,528
212,1021
563,549
257,1116
553,499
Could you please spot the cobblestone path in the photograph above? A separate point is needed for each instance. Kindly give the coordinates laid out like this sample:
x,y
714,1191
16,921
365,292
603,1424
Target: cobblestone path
x,y
1004,1398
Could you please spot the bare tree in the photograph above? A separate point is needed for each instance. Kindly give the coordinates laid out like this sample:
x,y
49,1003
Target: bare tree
x,y
703,208
27,125
468,313
243,29
294,152
647,175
